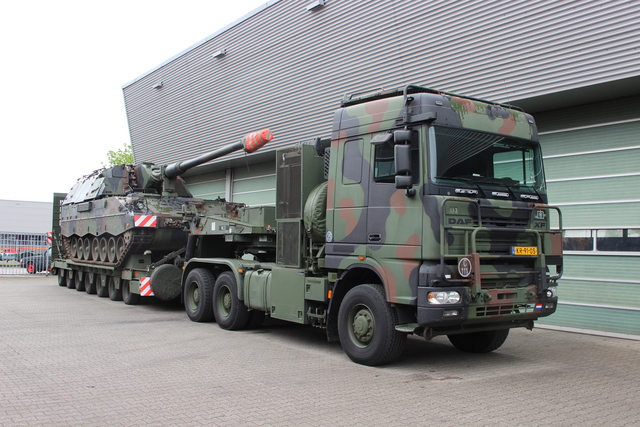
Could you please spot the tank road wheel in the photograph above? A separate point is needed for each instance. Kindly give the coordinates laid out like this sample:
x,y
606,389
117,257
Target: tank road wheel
x,y
74,247
80,245
111,250
101,286
114,293
61,278
366,327
479,342
128,297
198,295
230,312
90,283
86,248
121,248
71,279
103,249
79,282
95,248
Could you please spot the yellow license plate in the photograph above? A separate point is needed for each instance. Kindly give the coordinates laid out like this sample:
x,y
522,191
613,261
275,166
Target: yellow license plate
x,y
524,250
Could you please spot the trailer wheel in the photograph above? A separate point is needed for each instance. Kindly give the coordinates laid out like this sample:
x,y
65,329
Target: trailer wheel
x,y
479,342
71,279
198,295
61,279
366,326
79,282
114,293
102,289
229,310
89,283
128,297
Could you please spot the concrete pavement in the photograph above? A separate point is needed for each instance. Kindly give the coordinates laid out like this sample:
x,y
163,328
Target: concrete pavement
x,y
68,358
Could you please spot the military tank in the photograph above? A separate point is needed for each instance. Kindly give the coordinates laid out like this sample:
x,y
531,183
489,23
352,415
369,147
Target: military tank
x,y
122,210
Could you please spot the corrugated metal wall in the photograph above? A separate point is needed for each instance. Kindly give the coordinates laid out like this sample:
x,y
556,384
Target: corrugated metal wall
x,y
286,67
592,158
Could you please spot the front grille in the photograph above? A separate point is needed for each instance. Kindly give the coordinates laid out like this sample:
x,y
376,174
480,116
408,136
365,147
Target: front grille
x,y
502,310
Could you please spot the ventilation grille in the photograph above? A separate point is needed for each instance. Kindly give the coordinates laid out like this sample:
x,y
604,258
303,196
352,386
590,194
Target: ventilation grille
x,y
503,310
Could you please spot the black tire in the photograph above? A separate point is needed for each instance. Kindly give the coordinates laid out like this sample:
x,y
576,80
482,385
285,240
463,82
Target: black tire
x,y
90,283
80,282
198,295
71,282
102,290
479,342
255,320
366,327
114,293
128,297
61,279
230,312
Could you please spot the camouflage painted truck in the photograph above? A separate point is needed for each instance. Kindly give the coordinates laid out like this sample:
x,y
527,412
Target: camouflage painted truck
x,y
122,231
425,213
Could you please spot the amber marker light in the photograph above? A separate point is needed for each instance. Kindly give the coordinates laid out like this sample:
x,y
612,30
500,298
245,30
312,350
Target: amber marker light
x,y
240,271
362,258
330,294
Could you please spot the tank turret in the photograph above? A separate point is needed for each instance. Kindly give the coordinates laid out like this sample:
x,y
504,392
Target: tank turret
x,y
136,209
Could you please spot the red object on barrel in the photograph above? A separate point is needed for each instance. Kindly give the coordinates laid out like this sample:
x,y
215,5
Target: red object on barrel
x,y
256,140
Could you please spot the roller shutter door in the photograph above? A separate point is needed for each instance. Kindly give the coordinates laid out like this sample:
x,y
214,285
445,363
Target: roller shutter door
x,y
592,161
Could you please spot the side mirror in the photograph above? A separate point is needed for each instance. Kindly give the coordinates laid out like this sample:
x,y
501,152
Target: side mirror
x,y
404,180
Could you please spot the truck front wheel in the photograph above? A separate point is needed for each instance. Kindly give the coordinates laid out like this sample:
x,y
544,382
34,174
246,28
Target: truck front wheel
x,y
366,327
479,342
198,299
229,310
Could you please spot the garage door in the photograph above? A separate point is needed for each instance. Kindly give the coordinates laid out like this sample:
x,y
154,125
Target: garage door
x,y
592,161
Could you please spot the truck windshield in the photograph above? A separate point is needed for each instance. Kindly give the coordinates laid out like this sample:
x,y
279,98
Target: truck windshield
x,y
485,160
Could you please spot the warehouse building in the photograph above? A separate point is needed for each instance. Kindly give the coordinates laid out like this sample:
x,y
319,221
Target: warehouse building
x,y
575,65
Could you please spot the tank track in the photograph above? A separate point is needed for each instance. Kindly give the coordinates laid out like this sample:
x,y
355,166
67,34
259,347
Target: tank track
x,y
135,241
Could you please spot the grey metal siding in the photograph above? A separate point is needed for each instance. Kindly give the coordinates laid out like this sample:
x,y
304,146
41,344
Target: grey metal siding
x,y
286,68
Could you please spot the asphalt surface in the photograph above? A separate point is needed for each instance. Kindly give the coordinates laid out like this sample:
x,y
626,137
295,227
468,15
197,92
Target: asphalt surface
x,y
68,358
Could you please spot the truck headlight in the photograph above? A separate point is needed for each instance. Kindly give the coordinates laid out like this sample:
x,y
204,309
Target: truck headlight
x,y
443,297
551,292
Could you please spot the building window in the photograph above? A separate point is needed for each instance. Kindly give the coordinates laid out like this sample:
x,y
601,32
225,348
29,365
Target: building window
x,y
602,240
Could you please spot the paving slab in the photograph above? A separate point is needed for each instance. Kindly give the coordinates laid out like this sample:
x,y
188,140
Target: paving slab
x,y
69,358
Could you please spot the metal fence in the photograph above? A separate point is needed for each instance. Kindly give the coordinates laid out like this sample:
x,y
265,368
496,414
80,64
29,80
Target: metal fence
x,y
24,253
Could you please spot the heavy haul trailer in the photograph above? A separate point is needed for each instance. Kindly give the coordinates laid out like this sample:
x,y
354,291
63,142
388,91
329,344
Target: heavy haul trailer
x,y
425,213
123,230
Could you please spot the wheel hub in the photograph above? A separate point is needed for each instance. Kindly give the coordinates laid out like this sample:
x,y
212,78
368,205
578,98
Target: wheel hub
x,y
226,301
363,326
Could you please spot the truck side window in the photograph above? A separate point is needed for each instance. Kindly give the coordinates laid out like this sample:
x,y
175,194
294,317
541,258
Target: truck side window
x,y
384,168
352,162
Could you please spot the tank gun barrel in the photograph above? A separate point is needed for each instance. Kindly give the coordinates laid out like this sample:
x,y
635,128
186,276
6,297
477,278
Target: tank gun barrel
x,y
251,142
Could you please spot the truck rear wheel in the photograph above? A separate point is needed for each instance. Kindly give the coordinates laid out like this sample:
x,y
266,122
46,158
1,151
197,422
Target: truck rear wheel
x,y
128,297
229,310
366,327
198,295
479,342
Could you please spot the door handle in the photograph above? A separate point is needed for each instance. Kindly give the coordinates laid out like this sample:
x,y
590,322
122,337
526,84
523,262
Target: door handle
x,y
375,237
